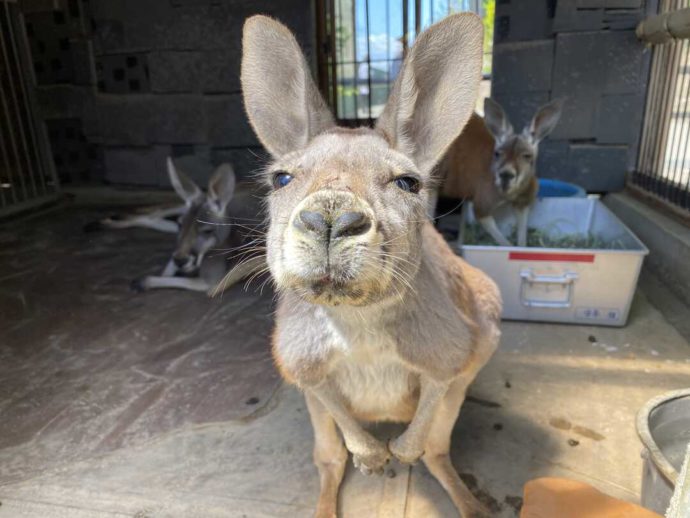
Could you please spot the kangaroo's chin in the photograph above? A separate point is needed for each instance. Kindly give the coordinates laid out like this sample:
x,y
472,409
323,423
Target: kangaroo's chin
x,y
330,290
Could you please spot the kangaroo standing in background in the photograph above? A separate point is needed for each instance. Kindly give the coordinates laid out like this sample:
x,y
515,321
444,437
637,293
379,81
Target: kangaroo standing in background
x,y
377,319
491,165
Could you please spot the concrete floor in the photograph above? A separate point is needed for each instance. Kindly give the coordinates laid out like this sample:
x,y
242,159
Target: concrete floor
x,y
167,404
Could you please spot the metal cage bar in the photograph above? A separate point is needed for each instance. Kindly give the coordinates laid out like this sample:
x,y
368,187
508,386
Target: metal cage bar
x,y
663,164
359,79
27,176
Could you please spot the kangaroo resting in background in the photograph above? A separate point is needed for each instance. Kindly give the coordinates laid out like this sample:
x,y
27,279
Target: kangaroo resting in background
x,y
213,235
377,318
490,165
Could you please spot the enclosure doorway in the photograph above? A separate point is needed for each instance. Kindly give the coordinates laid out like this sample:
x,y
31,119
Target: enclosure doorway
x,y
361,45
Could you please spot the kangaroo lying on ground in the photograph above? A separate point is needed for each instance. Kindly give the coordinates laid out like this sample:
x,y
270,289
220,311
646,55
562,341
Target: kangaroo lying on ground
x,y
213,235
490,165
377,319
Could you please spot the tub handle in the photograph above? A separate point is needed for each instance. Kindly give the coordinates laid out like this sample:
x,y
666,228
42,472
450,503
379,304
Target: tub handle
x,y
567,279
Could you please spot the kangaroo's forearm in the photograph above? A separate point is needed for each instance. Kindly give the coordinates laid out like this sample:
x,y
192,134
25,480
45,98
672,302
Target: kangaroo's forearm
x,y
356,438
409,446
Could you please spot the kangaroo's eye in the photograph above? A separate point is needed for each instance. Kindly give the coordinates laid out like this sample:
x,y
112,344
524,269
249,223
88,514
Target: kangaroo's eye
x,y
407,183
281,179
207,231
527,156
497,154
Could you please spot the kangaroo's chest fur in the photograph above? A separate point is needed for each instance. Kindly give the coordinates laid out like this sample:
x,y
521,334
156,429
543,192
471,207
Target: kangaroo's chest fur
x,y
368,371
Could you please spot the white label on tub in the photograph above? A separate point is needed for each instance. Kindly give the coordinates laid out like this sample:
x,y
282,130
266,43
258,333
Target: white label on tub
x,y
607,314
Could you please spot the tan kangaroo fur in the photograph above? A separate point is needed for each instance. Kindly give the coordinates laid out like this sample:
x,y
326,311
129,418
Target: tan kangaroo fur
x,y
377,320
490,165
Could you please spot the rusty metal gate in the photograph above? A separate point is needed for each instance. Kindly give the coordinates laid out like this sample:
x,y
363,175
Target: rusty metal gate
x,y
27,175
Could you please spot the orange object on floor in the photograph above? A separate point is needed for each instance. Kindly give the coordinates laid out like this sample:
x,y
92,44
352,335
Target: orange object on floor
x,y
563,498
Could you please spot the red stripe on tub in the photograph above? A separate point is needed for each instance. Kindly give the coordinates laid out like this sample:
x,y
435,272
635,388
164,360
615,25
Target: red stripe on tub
x,y
550,256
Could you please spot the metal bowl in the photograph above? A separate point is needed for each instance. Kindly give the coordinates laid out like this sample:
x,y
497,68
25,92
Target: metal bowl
x,y
663,425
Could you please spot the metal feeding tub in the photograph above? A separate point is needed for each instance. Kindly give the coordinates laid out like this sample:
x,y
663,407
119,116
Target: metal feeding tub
x,y
663,425
584,285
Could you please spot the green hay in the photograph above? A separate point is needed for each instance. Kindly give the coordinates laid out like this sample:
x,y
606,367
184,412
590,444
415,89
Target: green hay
x,y
476,235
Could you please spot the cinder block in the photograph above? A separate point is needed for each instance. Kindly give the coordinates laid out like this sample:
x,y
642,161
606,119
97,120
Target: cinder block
x,y
247,162
108,35
136,166
597,168
571,16
521,107
587,66
50,36
523,67
82,59
164,26
220,71
228,125
177,119
622,19
522,20
174,71
123,73
41,6
552,161
192,3
593,167
74,156
609,4
619,119
124,120
623,59
62,102
579,115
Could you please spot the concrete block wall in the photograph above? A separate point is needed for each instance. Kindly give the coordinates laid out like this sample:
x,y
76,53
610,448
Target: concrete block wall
x,y
586,52
138,81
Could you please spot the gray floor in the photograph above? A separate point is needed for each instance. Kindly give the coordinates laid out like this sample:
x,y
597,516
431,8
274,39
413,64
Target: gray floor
x,y
167,403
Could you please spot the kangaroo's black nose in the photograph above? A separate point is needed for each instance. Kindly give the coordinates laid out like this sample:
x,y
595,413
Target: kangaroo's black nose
x,y
350,224
312,221
346,224
506,176
179,261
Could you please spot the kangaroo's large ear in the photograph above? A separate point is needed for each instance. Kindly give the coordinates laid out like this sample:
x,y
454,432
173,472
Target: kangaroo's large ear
x,y
436,89
282,102
544,120
183,185
496,120
221,188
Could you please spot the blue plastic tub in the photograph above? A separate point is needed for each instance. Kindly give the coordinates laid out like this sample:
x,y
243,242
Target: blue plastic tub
x,y
557,189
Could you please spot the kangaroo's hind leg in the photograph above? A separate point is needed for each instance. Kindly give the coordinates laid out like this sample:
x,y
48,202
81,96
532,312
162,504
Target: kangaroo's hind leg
x,y
437,453
330,457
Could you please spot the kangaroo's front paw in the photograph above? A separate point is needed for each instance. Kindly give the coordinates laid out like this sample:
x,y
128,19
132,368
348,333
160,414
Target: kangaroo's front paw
x,y
373,460
404,451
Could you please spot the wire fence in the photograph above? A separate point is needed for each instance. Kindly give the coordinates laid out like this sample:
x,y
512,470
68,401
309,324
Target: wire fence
x,y
26,173
663,165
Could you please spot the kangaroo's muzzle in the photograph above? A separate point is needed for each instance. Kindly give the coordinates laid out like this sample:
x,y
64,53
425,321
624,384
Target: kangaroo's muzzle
x,y
331,245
